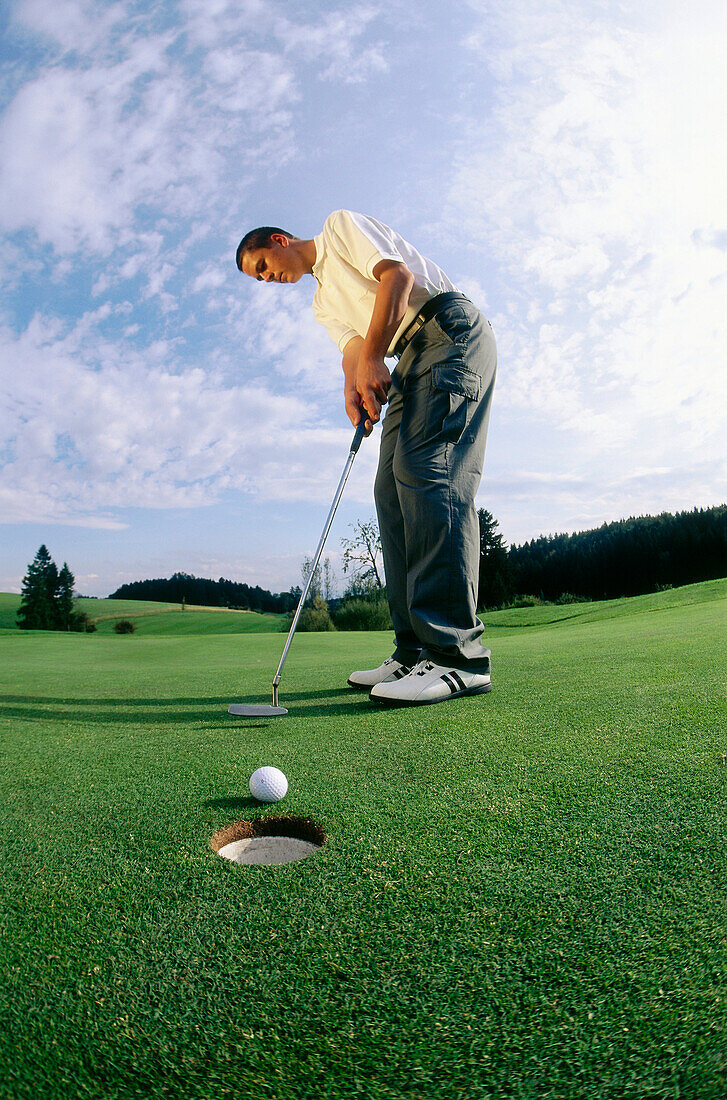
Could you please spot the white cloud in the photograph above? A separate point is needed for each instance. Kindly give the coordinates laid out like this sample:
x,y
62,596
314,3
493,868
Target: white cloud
x,y
212,277
334,44
85,147
74,25
89,427
119,154
330,39
276,328
601,191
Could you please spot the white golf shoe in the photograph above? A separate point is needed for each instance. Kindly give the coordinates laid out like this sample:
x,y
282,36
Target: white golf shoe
x,y
430,683
391,670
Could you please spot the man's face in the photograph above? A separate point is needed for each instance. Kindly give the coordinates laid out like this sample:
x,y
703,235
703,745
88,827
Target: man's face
x,y
278,263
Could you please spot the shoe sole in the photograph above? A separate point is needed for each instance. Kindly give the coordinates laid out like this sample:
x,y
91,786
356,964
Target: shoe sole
x,y
429,702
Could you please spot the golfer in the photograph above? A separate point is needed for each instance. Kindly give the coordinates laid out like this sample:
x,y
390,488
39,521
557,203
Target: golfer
x,y
378,297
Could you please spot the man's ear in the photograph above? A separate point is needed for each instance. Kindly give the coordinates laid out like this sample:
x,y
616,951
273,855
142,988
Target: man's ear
x,y
280,239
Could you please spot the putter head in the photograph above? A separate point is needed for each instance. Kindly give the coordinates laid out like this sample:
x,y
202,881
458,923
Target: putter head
x,y
255,710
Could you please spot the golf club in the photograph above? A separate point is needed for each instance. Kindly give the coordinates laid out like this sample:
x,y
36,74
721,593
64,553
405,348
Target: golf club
x,y
260,710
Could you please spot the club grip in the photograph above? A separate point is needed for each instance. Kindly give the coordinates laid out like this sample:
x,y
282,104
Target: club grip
x,y
360,433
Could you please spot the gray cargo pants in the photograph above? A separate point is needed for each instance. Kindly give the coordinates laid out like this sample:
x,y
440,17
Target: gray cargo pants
x,y
430,466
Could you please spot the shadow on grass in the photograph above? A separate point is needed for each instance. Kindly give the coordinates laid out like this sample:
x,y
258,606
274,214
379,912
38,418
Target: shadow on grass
x,y
233,803
312,704
183,710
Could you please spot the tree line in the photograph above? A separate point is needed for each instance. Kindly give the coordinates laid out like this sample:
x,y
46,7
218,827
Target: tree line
x,y
627,558
188,589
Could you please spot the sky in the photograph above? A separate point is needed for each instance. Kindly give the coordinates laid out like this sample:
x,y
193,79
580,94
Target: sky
x,y
563,162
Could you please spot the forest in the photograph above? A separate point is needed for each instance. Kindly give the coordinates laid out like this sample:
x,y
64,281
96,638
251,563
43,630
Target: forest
x,y
186,588
627,558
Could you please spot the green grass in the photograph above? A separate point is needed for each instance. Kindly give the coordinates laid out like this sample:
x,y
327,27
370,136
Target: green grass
x,y
153,618
522,894
689,595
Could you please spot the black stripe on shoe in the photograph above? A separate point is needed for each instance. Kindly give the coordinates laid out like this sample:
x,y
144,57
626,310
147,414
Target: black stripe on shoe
x,y
456,676
449,681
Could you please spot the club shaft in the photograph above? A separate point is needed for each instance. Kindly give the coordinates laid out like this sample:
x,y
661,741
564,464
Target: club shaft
x,y
316,559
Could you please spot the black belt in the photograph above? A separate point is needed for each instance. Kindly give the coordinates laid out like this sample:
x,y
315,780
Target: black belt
x,y
430,309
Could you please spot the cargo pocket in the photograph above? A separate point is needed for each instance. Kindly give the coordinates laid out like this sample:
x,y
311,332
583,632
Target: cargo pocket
x,y
455,391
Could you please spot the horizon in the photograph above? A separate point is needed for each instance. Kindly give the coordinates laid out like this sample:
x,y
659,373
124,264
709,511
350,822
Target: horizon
x,y
339,593
158,407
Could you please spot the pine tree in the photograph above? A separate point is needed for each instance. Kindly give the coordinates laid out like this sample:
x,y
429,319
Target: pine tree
x,y
37,606
64,599
495,586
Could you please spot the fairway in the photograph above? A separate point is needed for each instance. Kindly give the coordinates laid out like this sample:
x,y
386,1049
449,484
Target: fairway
x,y
153,618
522,894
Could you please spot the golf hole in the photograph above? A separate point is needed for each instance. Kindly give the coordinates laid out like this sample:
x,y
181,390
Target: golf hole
x,y
269,840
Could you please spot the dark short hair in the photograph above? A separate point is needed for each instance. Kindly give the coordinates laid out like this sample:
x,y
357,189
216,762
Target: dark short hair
x,y
258,238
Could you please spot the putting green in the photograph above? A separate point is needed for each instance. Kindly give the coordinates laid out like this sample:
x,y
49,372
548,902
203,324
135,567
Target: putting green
x,y
520,894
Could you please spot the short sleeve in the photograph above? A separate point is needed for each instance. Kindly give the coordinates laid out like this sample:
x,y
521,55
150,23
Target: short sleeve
x,y
364,240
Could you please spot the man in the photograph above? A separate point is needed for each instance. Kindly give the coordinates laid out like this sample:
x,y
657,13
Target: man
x,y
378,297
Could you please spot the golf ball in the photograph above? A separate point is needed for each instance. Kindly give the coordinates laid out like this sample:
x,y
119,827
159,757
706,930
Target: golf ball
x,y
268,785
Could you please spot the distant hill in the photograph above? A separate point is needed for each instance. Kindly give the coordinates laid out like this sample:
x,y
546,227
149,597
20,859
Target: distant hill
x,y
157,618
205,592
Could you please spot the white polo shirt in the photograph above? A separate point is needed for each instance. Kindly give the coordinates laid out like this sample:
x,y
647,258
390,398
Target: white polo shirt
x,y
347,251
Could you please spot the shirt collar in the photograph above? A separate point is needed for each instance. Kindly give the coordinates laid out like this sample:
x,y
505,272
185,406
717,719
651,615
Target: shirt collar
x,y
320,257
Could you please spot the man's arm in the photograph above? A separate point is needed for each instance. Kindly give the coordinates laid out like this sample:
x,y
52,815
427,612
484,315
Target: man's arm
x,y
367,377
351,354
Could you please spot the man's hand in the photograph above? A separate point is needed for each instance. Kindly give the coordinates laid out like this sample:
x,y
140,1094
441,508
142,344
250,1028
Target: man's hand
x,y
374,381
367,382
372,385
